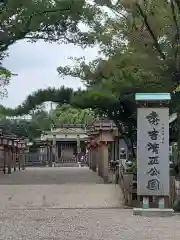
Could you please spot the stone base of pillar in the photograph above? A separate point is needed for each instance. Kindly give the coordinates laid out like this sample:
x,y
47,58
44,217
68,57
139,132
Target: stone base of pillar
x,y
101,174
9,170
106,179
50,163
94,168
112,178
153,212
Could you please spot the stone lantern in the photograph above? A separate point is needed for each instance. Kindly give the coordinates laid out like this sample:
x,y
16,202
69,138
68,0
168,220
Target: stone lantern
x,y
21,149
6,145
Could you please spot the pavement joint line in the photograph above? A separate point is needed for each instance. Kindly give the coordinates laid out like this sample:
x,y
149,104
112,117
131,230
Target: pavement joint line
x,y
64,208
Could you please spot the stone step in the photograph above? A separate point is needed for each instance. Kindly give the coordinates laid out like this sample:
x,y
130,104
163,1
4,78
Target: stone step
x,y
66,165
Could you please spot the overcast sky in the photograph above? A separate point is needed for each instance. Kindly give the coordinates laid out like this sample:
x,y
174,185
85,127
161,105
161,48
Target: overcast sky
x,y
36,66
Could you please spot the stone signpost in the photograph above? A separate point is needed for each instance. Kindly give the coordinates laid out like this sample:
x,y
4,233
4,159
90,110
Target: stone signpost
x,y
153,150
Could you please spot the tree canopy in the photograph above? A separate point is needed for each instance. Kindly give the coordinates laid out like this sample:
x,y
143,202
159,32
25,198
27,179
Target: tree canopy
x,y
139,41
51,21
48,20
130,37
41,121
5,76
66,114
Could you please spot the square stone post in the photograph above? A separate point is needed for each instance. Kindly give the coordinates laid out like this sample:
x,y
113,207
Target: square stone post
x,y
9,159
78,145
23,161
99,161
105,161
94,159
90,158
5,160
153,151
113,151
53,159
18,157
116,149
14,158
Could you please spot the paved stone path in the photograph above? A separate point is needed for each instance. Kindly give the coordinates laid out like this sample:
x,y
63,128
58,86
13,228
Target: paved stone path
x,y
57,188
40,205
54,175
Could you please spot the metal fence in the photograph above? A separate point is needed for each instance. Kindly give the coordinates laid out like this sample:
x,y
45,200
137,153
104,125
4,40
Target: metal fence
x,y
34,159
1,162
42,159
65,161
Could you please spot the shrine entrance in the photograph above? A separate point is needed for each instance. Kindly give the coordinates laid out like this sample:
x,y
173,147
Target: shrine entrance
x,y
61,147
53,178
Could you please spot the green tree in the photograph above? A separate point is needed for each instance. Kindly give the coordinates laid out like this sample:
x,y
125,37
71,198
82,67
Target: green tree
x,y
48,20
41,121
142,47
141,50
5,76
52,21
66,114
101,102
28,128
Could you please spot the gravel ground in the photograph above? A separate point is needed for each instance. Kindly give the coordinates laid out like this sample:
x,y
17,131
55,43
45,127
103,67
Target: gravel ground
x,y
107,224
45,204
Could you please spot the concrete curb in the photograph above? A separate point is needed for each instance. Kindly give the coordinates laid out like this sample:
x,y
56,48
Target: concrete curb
x,y
153,212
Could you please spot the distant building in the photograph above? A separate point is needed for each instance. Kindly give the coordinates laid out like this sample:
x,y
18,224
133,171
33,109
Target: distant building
x,y
69,139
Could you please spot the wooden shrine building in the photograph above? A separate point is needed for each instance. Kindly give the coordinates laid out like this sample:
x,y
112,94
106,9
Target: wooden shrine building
x,y
69,140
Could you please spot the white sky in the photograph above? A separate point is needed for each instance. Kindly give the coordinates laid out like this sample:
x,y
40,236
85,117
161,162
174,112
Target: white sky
x,y
36,66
